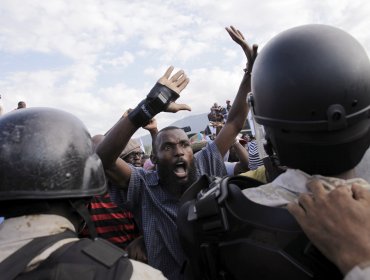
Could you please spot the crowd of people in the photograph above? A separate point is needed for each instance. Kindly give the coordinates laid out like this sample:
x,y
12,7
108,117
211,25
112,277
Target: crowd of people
x,y
76,206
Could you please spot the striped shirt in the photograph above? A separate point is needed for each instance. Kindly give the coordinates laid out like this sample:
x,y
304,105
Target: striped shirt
x,y
155,211
254,157
112,223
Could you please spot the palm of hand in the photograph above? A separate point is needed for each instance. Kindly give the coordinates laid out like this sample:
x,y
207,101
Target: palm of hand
x,y
177,83
238,37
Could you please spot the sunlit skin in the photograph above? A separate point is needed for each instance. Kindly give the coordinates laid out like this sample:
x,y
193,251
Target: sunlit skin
x,y
175,161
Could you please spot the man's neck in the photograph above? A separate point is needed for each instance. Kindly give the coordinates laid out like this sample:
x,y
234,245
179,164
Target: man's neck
x,y
168,187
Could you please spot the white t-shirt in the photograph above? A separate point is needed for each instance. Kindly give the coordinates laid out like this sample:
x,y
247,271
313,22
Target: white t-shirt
x,y
230,167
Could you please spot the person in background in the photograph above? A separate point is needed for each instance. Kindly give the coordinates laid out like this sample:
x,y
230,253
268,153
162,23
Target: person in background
x,y
254,157
215,114
144,158
238,160
114,223
132,153
225,110
21,105
228,105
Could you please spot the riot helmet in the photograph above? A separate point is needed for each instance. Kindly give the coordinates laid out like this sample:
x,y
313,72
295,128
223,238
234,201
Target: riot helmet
x,y
47,154
311,92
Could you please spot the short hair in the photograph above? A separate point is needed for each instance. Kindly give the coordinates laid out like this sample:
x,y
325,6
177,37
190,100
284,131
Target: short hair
x,y
167,128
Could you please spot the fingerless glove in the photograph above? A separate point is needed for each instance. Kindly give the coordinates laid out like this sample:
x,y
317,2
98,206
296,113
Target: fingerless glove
x,y
155,102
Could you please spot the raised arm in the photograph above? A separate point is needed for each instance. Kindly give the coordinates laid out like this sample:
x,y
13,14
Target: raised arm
x,y
242,164
161,98
239,110
153,130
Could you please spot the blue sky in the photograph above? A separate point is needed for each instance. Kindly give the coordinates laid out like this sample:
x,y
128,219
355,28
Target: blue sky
x,y
97,58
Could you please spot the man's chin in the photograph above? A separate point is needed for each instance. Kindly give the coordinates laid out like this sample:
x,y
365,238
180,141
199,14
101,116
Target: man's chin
x,y
182,182
181,179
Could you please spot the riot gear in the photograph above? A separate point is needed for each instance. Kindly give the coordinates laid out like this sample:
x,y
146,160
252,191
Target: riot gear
x,y
47,154
311,91
227,236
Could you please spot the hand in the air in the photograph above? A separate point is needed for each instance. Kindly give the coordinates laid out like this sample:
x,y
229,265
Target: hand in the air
x,y
250,53
177,83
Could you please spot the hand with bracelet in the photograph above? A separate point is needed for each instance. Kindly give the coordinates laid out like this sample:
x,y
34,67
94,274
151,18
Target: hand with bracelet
x,y
161,98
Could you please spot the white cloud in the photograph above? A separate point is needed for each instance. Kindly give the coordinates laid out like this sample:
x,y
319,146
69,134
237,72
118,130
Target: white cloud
x,y
124,60
138,40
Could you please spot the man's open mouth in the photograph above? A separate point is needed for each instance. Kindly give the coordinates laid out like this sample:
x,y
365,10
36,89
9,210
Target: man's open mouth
x,y
180,169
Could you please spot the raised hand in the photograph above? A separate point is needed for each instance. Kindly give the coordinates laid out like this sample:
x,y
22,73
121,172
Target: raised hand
x,y
250,53
177,83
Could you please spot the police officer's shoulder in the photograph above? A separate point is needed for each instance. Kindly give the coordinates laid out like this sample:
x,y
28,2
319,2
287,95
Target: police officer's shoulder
x,y
104,252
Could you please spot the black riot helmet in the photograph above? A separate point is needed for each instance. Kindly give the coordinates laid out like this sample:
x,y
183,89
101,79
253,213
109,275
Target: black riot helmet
x,y
311,92
47,154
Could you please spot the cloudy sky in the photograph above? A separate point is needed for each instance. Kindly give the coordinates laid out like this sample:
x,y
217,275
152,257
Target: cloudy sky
x,y
96,58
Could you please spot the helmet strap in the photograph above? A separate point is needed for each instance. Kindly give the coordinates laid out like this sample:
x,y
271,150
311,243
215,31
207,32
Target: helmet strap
x,y
81,208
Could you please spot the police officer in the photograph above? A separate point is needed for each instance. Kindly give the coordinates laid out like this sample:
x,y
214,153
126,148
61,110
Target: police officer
x,y
311,92
48,173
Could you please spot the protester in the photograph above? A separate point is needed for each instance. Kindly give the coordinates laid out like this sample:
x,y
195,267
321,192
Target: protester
x,y
21,105
155,195
132,153
238,159
255,160
228,105
144,159
43,196
215,114
113,223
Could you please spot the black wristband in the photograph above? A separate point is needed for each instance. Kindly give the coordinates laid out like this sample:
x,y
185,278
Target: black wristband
x,y
155,102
